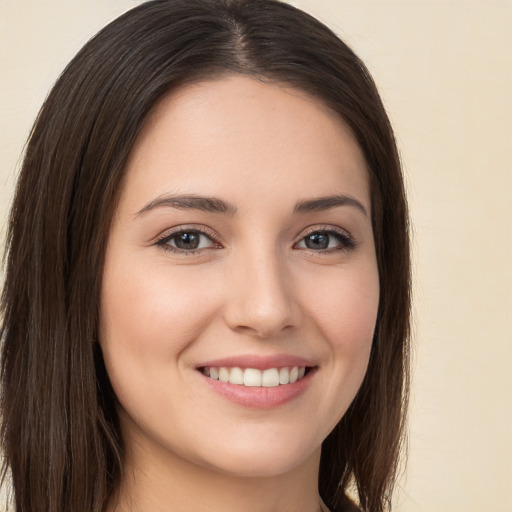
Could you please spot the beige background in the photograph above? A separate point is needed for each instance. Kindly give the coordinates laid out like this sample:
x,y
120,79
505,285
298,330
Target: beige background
x,y
444,69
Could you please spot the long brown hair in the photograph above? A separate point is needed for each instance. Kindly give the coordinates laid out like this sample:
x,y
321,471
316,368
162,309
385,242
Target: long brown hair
x,y
59,432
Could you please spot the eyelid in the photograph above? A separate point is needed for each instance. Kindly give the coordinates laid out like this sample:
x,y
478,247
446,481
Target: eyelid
x,y
168,234
329,228
346,240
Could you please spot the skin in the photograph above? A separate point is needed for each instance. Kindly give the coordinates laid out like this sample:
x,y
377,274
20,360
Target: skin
x,y
252,287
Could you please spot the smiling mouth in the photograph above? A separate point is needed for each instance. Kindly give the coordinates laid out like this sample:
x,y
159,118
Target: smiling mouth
x,y
252,377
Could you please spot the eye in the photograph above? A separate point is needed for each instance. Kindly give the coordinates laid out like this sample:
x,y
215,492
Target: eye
x,y
327,241
187,241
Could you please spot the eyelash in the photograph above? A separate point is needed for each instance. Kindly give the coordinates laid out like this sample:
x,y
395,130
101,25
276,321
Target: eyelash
x,y
163,242
346,241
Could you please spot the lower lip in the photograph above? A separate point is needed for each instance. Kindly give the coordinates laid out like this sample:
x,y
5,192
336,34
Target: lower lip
x,y
261,397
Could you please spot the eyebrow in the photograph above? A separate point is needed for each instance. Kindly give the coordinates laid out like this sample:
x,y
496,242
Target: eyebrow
x,y
216,205
328,202
190,202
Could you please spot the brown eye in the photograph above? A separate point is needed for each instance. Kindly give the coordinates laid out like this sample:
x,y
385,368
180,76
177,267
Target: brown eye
x,y
187,241
327,240
317,241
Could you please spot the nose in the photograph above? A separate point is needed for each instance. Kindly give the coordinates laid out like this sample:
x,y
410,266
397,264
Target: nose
x,y
261,302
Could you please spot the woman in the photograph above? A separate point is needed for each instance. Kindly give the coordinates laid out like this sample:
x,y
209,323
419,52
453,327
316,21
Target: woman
x,y
206,303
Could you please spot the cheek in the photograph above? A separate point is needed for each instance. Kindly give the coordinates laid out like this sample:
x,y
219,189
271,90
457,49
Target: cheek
x,y
151,306
345,307
345,304
150,314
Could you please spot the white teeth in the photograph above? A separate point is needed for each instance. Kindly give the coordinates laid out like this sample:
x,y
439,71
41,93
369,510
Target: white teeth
x,y
284,376
252,377
270,378
224,374
236,376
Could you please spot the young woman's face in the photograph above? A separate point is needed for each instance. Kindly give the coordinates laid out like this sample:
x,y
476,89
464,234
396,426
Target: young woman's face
x,y
241,251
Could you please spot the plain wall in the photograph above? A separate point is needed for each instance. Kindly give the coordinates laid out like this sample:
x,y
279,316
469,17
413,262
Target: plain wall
x,y
444,69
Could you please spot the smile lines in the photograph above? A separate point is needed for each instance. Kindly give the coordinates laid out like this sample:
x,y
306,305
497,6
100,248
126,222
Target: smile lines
x,y
252,377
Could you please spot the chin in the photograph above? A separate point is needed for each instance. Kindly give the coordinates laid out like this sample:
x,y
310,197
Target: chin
x,y
263,459
270,467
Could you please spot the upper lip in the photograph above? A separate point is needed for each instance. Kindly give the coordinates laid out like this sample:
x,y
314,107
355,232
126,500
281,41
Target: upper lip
x,y
258,362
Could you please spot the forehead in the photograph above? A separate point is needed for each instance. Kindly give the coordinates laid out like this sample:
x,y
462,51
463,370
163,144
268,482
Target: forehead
x,y
241,137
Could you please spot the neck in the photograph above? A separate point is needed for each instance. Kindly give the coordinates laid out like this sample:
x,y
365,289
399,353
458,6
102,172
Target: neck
x,y
170,483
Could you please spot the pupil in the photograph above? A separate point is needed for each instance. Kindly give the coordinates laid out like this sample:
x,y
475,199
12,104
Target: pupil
x,y
317,241
187,241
